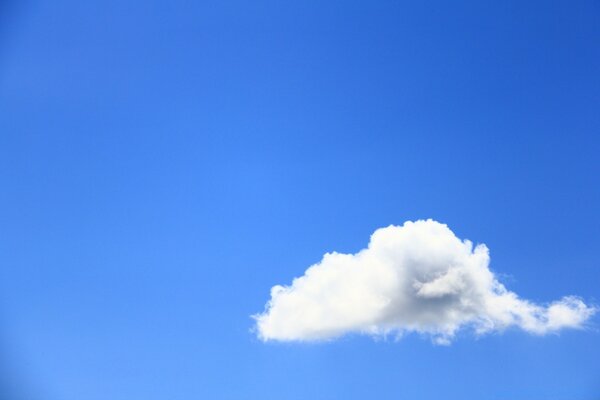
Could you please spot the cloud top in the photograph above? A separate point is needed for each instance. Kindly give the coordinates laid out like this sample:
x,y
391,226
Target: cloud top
x,y
418,277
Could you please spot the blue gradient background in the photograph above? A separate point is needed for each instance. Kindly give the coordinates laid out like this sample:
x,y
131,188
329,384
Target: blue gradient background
x,y
163,164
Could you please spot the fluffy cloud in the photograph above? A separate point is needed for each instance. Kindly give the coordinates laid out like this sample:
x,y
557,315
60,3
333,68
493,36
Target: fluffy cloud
x,y
418,277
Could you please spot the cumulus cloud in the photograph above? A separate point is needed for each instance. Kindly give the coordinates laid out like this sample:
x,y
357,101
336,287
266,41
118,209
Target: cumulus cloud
x,y
418,277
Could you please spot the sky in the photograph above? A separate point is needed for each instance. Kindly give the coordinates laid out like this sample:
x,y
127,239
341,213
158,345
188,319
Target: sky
x,y
163,165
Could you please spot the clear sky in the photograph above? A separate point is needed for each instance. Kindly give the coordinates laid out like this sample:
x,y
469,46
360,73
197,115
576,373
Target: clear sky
x,y
164,164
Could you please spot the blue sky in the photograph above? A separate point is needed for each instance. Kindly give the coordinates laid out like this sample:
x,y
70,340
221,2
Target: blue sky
x,y
164,164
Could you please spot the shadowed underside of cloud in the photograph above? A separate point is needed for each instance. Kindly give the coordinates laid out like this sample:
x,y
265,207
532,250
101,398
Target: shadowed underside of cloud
x,y
418,277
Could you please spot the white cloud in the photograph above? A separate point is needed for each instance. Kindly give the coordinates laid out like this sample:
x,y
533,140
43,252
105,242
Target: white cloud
x,y
418,277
